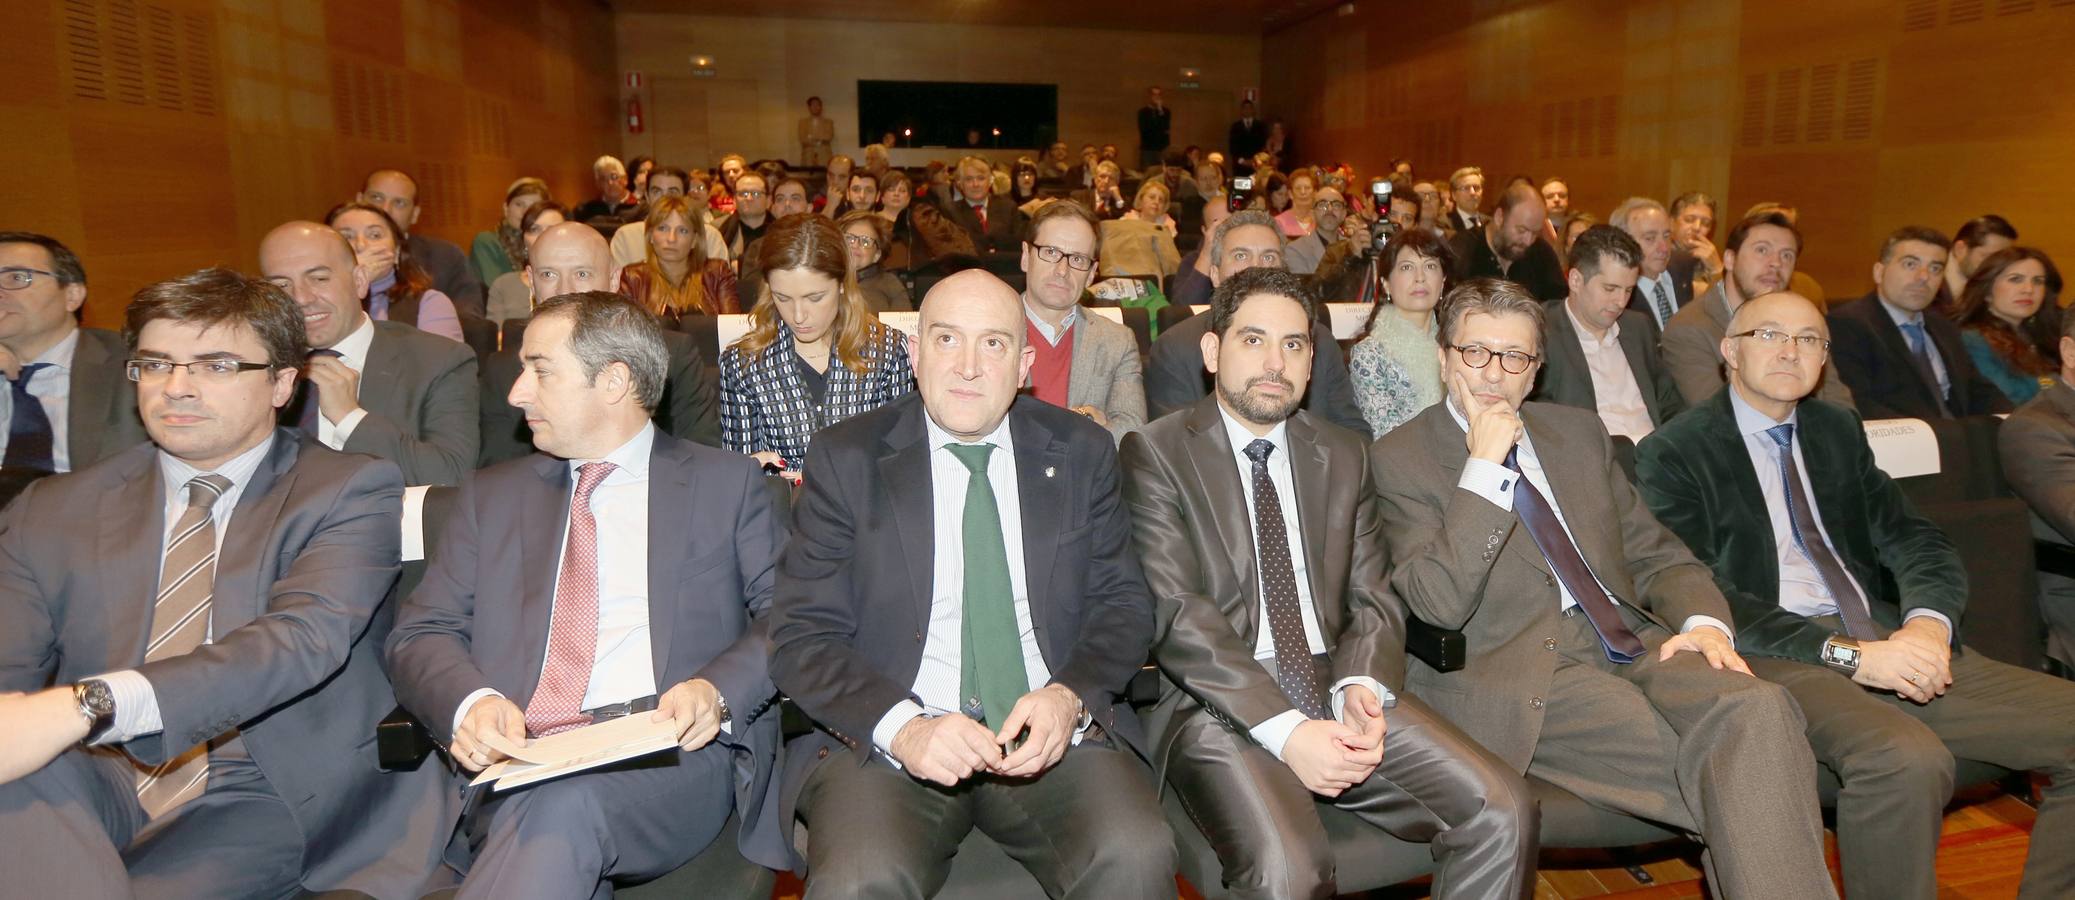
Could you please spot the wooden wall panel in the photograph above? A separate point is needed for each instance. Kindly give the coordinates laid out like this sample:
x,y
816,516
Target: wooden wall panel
x,y
159,136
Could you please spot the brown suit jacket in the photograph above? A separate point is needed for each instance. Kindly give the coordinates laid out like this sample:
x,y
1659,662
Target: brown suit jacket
x,y
1195,540
1460,562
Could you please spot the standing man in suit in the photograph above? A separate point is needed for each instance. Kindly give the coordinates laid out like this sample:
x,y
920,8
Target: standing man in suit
x,y
1600,655
1758,258
1599,352
993,222
1665,283
2037,445
70,407
189,683
380,388
1466,186
1246,137
1509,245
573,258
1282,644
1154,123
1900,363
397,194
1782,498
1083,362
579,585
959,612
1175,378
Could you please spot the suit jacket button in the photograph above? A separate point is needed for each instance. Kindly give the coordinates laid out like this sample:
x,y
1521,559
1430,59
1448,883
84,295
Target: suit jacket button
x,y
1534,703
1488,555
1549,644
823,753
918,637
1549,580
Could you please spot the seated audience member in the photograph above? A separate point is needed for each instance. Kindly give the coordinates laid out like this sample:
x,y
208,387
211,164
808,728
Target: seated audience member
x,y
1328,214
1394,368
721,201
510,298
1023,179
69,407
1758,258
1466,193
2009,316
1556,198
1271,193
190,671
814,354
1135,245
1430,207
1977,240
1900,363
398,290
1281,677
1020,732
989,219
2037,446
1693,233
1599,650
501,252
835,181
1783,499
1598,349
1083,362
939,242
678,278
638,168
650,606
1175,378
1298,220
1801,283
1509,245
1151,204
788,198
1575,227
381,388
862,195
1664,284
751,216
396,193
1082,174
569,259
1192,284
1055,163
864,243
614,201
896,194
630,241
877,160
1104,198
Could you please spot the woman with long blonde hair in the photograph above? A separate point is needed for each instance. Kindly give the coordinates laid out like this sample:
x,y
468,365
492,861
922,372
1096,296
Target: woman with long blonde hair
x,y
677,279
814,354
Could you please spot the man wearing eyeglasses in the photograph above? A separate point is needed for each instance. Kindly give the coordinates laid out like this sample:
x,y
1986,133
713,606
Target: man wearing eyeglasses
x,y
203,605
68,407
751,217
1085,363
1781,496
1600,658
1329,209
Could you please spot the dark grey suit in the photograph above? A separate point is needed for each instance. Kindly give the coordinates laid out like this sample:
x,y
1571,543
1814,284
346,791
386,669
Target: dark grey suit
x,y
853,603
101,415
1566,379
2037,444
307,561
450,271
1869,353
1709,751
480,620
689,408
1195,536
1175,377
420,393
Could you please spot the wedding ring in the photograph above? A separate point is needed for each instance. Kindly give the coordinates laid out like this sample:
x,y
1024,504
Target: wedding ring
x,y
1916,678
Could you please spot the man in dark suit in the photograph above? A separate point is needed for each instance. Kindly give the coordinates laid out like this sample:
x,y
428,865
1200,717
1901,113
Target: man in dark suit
x,y
1174,374
1154,122
1598,352
578,585
959,613
1783,499
1509,245
969,201
1900,363
1466,189
1665,283
397,194
2037,446
1245,138
189,679
82,410
1599,650
568,259
1281,643
380,388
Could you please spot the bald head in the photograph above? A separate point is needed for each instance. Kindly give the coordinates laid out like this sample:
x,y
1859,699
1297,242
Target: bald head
x,y
969,353
1775,351
568,258
315,265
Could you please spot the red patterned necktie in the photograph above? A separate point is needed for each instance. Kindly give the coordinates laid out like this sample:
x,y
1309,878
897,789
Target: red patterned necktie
x,y
558,700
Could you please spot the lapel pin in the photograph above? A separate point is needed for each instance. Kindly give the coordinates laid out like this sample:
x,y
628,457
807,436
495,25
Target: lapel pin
x,y
1048,471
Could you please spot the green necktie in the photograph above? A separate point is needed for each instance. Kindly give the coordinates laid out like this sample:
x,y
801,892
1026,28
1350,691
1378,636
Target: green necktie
x,y
990,675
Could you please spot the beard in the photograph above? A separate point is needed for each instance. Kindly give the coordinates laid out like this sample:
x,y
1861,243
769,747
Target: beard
x,y
1257,409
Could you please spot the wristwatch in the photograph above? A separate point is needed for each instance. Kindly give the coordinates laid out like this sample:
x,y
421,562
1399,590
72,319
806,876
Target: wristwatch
x,y
96,705
1841,653
720,704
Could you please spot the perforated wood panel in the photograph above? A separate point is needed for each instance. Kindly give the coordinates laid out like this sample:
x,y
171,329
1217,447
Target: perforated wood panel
x,y
141,55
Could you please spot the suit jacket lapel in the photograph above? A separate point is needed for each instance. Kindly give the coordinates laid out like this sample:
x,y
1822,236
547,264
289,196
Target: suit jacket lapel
x,y
1310,469
1632,346
1216,470
1566,355
542,542
132,545
243,580
1897,347
93,392
905,470
378,376
670,504
1041,473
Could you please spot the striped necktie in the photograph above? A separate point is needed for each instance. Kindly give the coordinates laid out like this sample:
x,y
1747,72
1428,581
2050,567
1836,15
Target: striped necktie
x,y
180,623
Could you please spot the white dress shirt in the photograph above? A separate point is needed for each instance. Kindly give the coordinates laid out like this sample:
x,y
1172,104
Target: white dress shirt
x,y
1903,317
352,351
937,677
53,388
1495,483
1650,288
1802,589
1614,388
136,702
623,663
1273,733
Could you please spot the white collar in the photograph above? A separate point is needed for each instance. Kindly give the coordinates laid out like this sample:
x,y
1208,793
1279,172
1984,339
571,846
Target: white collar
x,y
1750,421
1240,435
631,457
352,348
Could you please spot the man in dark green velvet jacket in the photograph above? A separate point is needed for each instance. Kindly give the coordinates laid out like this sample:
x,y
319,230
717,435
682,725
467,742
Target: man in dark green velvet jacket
x,y
1889,695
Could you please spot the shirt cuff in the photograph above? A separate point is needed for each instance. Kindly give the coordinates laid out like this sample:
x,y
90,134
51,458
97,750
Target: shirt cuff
x,y
1931,614
1275,732
890,725
468,703
136,707
343,431
1489,480
1383,694
1693,622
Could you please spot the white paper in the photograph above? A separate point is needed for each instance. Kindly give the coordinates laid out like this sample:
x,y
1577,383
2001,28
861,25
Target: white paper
x,y
1903,448
581,748
903,321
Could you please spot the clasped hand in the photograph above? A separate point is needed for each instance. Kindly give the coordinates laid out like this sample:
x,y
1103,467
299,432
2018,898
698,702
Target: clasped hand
x,y
947,750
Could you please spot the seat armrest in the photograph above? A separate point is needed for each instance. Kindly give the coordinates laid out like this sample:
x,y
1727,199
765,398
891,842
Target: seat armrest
x,y
401,744
1441,649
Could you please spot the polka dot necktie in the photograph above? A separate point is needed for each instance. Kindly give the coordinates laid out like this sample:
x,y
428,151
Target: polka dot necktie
x,y
1295,669
558,701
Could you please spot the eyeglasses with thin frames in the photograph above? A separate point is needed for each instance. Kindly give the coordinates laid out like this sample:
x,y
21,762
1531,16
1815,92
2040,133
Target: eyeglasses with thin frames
x,y
1513,362
1775,337
19,278
209,370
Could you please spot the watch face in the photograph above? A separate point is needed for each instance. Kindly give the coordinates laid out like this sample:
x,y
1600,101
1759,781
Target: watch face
x,y
98,698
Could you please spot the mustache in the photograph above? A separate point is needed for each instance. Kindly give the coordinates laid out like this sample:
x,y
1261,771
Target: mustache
x,y
1277,380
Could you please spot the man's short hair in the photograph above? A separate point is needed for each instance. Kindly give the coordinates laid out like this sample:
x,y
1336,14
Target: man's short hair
x,y
607,328
1621,214
1919,233
683,177
1556,179
1492,297
63,262
1234,291
814,99
1734,243
1692,198
782,182
608,164
1111,165
1456,180
1242,219
974,162
744,160
1065,209
1600,243
1980,227
220,297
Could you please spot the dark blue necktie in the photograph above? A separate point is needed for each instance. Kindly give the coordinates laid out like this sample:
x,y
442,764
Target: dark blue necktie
x,y
308,422
1539,518
1808,538
29,439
